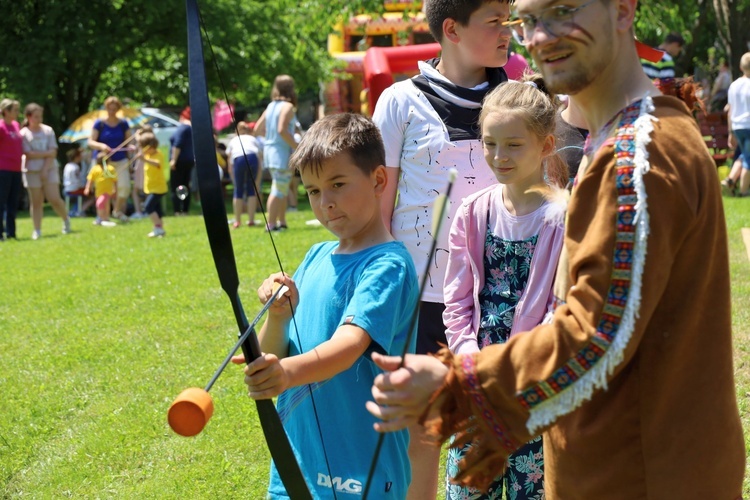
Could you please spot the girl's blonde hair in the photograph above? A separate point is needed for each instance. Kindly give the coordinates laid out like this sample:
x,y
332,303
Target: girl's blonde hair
x,y
745,63
531,100
8,104
283,89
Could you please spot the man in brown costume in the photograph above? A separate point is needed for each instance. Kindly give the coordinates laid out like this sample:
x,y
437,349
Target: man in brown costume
x,y
632,383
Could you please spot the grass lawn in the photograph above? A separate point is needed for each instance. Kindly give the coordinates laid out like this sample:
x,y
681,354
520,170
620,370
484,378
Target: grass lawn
x,y
101,329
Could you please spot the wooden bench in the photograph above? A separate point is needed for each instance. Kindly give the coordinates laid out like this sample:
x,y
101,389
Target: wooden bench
x,y
715,131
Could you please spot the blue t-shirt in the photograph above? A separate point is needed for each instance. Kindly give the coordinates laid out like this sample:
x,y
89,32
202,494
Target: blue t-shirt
x,y
183,139
112,137
377,290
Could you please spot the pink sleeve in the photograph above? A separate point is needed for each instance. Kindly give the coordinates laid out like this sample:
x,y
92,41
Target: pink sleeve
x,y
459,290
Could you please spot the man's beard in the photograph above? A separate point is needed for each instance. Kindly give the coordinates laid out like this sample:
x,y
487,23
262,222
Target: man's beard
x,y
582,76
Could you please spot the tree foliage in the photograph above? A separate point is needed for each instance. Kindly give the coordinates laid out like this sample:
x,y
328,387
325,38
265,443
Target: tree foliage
x,y
57,53
68,56
713,30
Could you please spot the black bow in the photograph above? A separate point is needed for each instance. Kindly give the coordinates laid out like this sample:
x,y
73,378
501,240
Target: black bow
x,y
215,217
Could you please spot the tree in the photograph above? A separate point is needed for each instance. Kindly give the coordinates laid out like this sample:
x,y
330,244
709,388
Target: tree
x,y
68,56
714,29
55,53
733,18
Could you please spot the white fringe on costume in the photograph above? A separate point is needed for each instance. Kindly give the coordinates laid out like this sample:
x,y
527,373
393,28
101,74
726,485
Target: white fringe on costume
x,y
596,378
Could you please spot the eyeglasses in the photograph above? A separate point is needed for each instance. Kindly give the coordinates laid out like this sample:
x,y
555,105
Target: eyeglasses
x,y
557,21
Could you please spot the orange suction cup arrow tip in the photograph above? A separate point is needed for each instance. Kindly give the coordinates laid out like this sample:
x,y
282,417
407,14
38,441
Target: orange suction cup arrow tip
x,y
190,412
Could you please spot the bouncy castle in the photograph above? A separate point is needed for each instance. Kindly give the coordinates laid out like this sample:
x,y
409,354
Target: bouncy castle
x,y
377,50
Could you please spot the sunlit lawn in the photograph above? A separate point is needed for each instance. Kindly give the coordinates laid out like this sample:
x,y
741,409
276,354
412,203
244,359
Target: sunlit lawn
x,y
101,329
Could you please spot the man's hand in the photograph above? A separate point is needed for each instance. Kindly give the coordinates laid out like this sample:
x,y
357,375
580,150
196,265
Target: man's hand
x,y
401,394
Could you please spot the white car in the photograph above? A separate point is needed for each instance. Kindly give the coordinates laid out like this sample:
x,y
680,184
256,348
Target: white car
x,y
163,122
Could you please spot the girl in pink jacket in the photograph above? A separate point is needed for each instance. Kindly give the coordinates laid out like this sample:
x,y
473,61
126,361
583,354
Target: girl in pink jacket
x,y
504,246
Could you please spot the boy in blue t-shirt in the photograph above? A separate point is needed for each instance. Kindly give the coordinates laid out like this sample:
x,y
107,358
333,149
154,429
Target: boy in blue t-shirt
x,y
350,298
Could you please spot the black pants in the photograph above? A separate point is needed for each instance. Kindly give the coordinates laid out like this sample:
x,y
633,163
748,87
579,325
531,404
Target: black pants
x,y
153,204
430,328
11,184
180,176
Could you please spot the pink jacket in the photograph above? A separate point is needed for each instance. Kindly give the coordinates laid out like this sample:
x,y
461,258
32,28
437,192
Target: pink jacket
x,y
464,277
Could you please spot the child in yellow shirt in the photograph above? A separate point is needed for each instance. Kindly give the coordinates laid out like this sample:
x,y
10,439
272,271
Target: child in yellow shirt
x,y
154,183
103,178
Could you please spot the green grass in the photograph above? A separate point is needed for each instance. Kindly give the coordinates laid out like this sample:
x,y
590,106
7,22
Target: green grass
x,y
101,329
738,216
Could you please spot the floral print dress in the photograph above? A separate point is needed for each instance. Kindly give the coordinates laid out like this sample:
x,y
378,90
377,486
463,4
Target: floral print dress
x,y
506,272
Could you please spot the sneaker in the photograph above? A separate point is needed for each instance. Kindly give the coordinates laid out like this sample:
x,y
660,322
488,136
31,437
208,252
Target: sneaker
x,y
36,235
235,225
138,215
157,232
107,223
66,226
97,222
728,187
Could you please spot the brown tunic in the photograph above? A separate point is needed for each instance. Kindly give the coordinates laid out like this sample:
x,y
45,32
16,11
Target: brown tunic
x,y
632,384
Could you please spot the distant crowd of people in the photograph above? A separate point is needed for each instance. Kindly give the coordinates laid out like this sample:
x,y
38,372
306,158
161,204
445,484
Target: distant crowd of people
x,y
122,173
28,158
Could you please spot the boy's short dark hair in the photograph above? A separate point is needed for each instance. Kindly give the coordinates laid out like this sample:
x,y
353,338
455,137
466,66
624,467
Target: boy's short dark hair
x,y
675,38
348,133
437,11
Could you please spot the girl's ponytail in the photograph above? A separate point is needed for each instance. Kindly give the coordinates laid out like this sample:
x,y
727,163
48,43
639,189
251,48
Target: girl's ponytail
x,y
556,171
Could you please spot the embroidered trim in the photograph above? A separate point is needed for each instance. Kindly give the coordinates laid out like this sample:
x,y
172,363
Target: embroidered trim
x,y
573,383
468,364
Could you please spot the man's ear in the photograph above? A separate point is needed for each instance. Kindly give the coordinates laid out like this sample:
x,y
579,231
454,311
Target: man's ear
x,y
380,179
626,10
